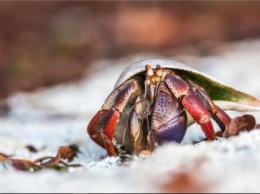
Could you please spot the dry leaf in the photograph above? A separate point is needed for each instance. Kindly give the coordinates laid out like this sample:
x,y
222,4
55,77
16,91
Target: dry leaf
x,y
75,148
24,165
64,152
3,157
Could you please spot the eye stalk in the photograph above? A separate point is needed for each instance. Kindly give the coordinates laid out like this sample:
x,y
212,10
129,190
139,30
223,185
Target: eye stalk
x,y
149,70
154,75
159,71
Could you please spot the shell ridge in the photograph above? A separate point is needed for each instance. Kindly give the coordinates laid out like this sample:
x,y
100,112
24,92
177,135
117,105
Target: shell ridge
x,y
227,93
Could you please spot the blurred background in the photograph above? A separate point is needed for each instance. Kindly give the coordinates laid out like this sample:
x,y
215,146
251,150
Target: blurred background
x,y
45,43
59,60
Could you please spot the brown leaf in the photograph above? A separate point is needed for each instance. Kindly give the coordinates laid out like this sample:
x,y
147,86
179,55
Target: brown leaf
x,y
243,123
67,153
3,157
64,152
23,165
74,147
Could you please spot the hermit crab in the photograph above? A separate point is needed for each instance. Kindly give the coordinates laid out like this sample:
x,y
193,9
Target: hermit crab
x,y
155,100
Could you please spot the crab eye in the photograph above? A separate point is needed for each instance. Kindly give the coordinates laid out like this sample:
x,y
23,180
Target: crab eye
x,y
159,71
149,70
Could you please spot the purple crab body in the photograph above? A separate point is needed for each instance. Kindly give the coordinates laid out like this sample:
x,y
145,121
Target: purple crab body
x,y
169,121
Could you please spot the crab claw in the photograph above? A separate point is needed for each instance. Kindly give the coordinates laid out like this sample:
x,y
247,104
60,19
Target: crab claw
x,y
95,127
101,129
220,116
103,125
110,120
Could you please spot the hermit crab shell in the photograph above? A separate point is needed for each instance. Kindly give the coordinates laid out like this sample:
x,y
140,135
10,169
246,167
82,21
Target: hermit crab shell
x,y
223,95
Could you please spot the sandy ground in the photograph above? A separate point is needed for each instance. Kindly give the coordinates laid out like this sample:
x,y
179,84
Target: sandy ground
x,y
51,117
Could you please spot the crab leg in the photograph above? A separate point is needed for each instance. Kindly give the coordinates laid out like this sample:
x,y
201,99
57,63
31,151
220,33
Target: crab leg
x,y
200,114
110,121
95,126
222,119
135,131
217,113
192,103
103,124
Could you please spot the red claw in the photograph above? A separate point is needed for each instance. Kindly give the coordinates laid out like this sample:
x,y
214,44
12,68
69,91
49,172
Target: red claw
x,y
200,114
93,128
102,128
221,118
109,126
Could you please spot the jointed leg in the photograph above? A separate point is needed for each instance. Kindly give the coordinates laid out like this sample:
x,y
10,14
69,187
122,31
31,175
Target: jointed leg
x,y
103,125
217,114
192,103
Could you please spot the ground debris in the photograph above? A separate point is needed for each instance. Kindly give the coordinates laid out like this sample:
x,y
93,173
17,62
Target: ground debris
x,y
64,152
